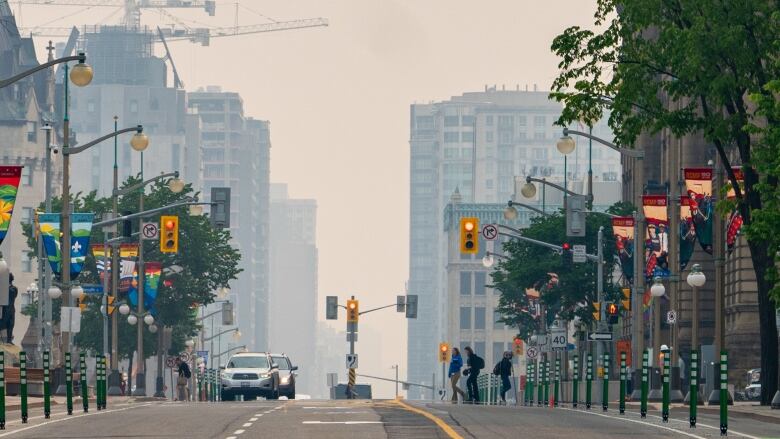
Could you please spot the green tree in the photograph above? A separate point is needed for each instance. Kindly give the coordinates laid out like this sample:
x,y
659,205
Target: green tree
x,y
693,67
205,262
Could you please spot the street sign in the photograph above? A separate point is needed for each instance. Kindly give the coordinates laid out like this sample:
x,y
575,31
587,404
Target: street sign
x,y
170,362
490,232
531,353
185,356
70,319
579,253
671,317
558,338
204,355
352,361
333,379
150,230
603,336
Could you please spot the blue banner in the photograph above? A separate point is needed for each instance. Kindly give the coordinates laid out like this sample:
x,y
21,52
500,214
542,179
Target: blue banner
x,y
81,229
49,224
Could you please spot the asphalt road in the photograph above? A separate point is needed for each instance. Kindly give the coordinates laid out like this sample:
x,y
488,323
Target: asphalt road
x,y
358,419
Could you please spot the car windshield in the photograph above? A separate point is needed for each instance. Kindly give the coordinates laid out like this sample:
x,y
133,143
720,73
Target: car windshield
x,y
282,362
258,362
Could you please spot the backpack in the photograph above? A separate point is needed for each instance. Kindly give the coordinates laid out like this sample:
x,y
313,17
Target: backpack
x,y
497,369
479,362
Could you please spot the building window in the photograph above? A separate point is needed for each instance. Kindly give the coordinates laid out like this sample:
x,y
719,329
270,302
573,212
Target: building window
x,y
479,317
498,351
450,153
175,155
424,122
214,171
488,184
467,136
497,324
468,121
505,137
465,317
521,121
479,283
27,176
213,155
539,121
539,136
91,105
540,154
451,121
26,262
479,348
465,283
451,137
27,215
134,106
489,137
32,131
154,104
505,121
489,121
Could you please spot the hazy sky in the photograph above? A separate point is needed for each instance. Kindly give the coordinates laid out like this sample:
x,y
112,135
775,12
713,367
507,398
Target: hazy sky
x,y
338,101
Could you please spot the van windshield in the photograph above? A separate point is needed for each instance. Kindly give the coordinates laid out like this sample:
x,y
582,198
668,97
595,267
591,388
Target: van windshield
x,y
246,362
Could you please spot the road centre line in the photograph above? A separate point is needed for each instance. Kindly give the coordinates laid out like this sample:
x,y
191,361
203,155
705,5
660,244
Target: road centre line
x,y
238,432
247,424
252,419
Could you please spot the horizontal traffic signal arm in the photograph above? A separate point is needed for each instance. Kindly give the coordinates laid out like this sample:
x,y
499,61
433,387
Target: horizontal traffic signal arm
x,y
517,234
119,219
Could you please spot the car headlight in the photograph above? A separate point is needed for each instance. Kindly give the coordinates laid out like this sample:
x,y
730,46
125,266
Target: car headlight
x,y
227,376
286,380
264,375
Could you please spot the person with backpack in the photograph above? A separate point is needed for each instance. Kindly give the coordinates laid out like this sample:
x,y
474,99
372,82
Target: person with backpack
x,y
504,369
474,364
456,363
181,383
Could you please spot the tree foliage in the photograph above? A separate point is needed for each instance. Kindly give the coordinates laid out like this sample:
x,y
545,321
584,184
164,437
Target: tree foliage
x,y
702,67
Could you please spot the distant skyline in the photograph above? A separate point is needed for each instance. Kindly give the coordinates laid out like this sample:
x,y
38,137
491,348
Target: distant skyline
x,y
338,102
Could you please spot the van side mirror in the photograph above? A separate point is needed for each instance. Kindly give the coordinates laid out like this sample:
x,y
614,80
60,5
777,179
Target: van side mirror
x,y
221,367
274,366
294,368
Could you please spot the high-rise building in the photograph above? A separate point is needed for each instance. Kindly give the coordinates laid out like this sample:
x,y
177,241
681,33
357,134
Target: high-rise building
x,y
477,144
293,286
236,154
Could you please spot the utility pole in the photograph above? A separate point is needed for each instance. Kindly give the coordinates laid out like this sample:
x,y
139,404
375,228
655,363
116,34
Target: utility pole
x,y
114,378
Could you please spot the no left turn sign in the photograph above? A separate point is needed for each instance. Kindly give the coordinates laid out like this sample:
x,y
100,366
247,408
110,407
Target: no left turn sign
x,y
490,232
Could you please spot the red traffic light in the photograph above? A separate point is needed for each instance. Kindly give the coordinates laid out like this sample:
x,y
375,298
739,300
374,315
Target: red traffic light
x,y
565,246
518,341
169,225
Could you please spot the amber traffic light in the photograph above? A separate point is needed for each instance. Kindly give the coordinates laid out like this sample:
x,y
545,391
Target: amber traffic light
x,y
353,311
469,232
597,312
169,235
444,352
626,299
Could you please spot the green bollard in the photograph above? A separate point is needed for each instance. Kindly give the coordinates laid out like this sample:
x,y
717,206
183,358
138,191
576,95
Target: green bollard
x,y
84,388
588,380
46,385
557,381
665,371
605,381
694,392
105,381
724,394
576,383
622,406
529,385
200,386
645,366
2,390
98,405
540,388
69,383
546,382
23,384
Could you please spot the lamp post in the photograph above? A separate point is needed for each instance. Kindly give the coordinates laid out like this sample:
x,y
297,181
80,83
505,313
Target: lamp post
x,y
510,212
81,74
657,291
696,280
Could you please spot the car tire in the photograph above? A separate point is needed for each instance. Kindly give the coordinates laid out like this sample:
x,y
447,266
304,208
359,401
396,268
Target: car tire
x,y
227,396
291,393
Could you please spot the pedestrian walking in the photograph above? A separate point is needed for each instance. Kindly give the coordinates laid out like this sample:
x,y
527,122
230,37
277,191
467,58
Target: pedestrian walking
x,y
474,364
456,364
503,369
182,382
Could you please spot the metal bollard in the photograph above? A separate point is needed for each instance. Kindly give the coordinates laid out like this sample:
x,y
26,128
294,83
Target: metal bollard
x,y
540,389
104,373
645,377
576,383
546,381
200,386
694,391
588,380
605,382
665,371
2,390
529,385
46,385
84,388
557,381
69,383
623,374
23,384
724,393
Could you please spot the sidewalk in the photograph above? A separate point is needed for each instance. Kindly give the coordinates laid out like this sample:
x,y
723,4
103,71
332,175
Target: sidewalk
x,y
744,409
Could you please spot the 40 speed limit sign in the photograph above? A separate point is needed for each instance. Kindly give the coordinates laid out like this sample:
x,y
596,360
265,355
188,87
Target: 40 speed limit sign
x,y
558,339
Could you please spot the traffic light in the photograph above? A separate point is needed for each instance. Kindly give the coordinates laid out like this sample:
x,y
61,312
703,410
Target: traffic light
x,y
169,237
469,232
127,225
566,254
518,345
612,313
626,299
353,311
411,306
444,352
331,307
220,207
597,312
575,215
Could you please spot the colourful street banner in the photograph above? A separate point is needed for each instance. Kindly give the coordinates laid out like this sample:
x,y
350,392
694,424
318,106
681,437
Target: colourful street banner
x,y
128,252
9,186
734,223
657,236
153,271
698,183
687,232
81,229
623,229
49,224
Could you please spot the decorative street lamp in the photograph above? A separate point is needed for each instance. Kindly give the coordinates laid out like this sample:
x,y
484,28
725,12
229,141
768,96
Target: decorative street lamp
x,y
77,292
658,289
54,292
566,145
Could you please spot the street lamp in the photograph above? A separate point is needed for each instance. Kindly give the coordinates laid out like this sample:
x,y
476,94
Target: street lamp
x,y
149,319
696,280
196,210
488,260
510,212
658,289
139,141
176,185
528,190
81,74
189,343
132,319
77,292
54,292
566,145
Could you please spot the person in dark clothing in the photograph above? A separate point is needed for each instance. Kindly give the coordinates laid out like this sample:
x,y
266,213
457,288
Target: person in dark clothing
x,y
8,320
504,370
184,377
474,363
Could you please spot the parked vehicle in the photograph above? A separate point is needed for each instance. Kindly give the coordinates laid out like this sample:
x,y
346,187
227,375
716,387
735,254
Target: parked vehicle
x,y
250,374
753,389
287,375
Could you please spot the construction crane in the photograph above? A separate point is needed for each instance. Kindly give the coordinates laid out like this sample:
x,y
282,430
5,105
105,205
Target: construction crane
x,y
132,19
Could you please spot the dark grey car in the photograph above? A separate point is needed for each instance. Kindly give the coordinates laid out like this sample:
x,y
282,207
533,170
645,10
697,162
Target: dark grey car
x,y
287,375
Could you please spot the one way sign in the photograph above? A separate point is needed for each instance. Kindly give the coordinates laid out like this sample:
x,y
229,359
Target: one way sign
x,y
600,336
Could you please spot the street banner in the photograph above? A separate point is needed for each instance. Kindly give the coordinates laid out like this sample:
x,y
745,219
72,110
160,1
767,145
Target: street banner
x,y
152,270
128,252
698,184
623,229
50,232
9,186
656,237
687,232
81,229
734,223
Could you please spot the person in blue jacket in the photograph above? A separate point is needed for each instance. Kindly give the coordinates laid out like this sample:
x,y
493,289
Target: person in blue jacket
x,y
456,363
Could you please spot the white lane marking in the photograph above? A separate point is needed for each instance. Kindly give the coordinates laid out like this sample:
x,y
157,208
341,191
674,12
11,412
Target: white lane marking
x,y
324,407
258,414
238,431
699,424
342,422
247,424
252,419
54,421
231,437
640,422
